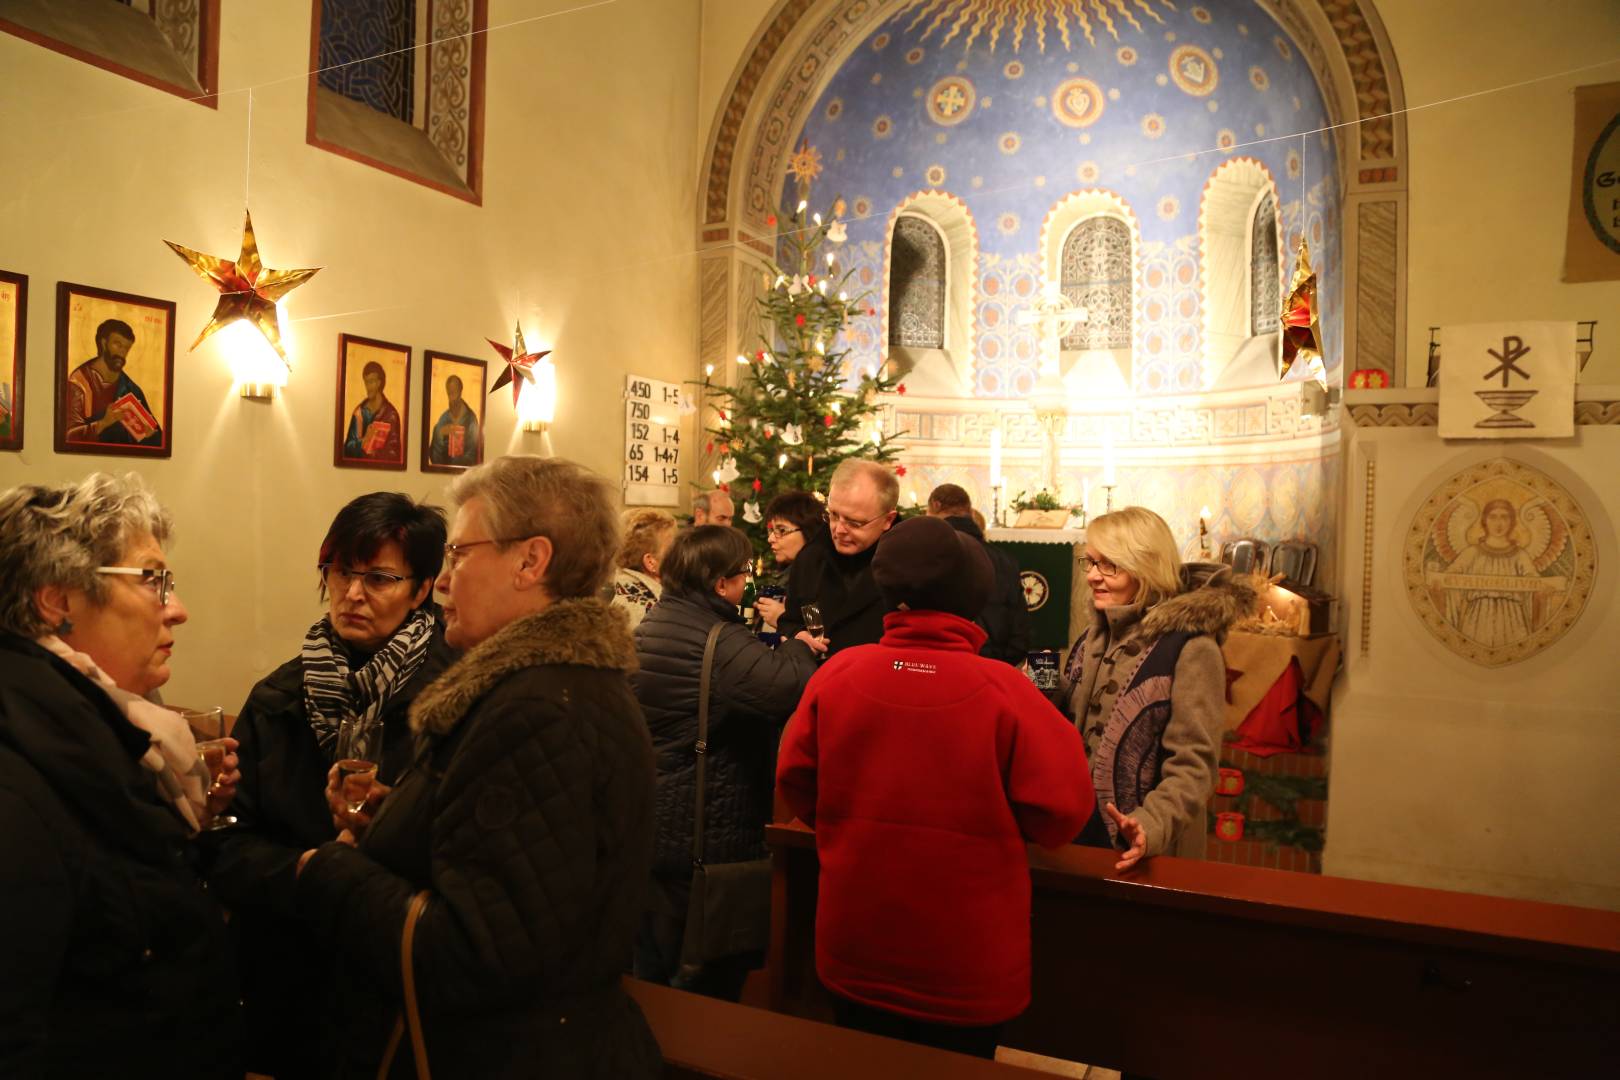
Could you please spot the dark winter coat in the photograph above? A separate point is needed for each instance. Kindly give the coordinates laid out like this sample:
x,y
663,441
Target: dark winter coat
x,y
528,817
113,957
752,692
1006,617
281,811
851,607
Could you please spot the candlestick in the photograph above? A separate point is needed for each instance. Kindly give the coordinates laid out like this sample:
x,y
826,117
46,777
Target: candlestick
x,y
1203,533
1108,498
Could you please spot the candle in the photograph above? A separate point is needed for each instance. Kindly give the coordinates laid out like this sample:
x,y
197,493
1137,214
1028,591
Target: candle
x,y
1109,478
1085,494
995,458
1203,532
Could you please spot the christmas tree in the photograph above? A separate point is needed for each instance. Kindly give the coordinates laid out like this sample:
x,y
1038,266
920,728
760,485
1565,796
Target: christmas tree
x,y
795,413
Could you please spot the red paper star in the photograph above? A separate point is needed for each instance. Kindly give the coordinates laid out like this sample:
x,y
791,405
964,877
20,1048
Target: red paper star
x,y
798,320
899,470
519,364
247,288
901,389
757,485
827,421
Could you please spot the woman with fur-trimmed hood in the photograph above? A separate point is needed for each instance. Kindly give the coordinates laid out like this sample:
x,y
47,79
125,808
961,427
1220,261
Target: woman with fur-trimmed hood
x,y
526,815
1146,685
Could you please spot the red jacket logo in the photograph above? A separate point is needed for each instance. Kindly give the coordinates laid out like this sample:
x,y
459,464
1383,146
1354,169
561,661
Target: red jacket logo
x,y
912,665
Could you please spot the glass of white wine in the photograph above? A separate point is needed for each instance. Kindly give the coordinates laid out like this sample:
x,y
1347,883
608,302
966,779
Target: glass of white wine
x,y
359,748
208,730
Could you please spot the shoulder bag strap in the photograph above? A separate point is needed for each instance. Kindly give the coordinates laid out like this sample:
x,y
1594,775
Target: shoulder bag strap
x,y
704,677
412,1018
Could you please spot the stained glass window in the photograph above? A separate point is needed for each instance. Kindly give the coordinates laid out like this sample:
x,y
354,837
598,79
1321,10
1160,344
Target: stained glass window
x,y
1265,286
1097,277
917,285
366,53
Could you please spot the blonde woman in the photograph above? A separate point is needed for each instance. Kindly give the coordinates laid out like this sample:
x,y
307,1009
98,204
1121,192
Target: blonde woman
x,y
1146,684
636,586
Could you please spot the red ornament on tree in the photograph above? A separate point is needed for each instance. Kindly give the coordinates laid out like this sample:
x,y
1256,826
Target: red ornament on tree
x,y
771,220
710,448
798,320
757,485
899,470
871,311
760,355
812,280
901,389
827,421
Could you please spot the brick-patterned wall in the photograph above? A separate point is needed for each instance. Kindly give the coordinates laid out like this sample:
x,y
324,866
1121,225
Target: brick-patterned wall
x,y
1246,852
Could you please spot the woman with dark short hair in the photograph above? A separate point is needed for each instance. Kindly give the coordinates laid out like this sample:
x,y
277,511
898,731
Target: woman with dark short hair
x,y
752,691
793,520
378,645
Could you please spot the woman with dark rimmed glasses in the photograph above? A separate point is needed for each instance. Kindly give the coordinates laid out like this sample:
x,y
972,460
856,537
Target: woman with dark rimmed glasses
x,y
115,959
376,647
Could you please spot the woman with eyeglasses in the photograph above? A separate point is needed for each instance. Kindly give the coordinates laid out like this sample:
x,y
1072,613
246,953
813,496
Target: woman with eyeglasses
x,y
753,689
525,817
1146,684
376,648
114,960
793,521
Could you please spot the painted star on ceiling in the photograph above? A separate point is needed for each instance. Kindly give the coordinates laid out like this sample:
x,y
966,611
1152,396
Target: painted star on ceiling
x,y
247,288
519,364
952,17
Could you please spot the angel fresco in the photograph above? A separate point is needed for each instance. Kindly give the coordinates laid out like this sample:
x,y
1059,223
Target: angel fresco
x,y
1498,569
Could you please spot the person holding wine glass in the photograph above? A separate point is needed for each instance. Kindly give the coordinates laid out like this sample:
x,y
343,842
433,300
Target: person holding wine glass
x,y
113,947
371,653
515,851
794,520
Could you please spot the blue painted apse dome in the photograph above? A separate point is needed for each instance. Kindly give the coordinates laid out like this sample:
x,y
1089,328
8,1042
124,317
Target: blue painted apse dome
x,y
1023,120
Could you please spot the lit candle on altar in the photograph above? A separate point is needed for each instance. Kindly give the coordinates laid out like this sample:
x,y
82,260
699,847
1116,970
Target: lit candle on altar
x,y
995,458
1109,478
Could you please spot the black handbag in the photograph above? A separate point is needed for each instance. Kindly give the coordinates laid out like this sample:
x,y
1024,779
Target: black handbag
x,y
729,910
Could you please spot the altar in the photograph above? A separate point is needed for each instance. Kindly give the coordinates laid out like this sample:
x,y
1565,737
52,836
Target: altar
x,y
1055,594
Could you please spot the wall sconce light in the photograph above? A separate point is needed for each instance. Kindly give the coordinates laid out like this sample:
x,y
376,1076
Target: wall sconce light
x,y
537,402
257,370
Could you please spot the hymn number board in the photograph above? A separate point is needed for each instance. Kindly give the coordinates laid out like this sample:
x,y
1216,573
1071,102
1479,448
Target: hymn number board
x,y
652,442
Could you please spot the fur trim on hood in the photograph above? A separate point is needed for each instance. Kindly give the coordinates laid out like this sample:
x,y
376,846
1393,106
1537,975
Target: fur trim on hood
x,y
1211,600
586,633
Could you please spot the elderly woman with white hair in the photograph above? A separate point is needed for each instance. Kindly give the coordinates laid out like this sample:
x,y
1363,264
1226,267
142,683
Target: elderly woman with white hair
x,y
1146,684
494,898
114,961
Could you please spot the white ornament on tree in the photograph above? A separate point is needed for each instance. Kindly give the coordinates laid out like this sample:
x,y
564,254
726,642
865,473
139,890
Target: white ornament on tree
x,y
727,472
837,233
751,512
792,435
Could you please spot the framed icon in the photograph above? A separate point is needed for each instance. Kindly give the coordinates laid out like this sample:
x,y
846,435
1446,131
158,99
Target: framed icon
x,y
452,412
114,372
370,428
13,350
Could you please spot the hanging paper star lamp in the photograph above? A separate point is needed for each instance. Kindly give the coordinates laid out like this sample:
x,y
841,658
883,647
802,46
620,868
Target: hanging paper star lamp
x,y
519,364
248,290
1301,338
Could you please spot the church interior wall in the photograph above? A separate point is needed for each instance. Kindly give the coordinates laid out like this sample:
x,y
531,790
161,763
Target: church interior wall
x,y
583,236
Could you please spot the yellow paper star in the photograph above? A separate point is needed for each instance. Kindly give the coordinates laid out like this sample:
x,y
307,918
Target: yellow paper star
x,y
247,288
1301,338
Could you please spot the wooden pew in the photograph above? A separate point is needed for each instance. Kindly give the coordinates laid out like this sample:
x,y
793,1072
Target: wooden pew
x,y
705,1039
1192,969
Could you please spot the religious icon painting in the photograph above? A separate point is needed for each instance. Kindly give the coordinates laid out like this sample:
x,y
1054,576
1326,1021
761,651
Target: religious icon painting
x,y
13,348
373,403
114,372
453,412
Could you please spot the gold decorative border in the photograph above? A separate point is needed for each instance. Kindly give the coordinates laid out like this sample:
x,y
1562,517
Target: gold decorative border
x,y
1427,414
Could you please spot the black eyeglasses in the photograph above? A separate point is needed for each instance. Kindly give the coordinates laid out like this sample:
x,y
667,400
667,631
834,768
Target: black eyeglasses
x,y
776,532
374,582
159,581
1103,566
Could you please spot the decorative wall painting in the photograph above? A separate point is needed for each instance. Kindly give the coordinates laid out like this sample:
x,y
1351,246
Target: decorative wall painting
x,y
114,372
453,412
372,376
13,349
1499,562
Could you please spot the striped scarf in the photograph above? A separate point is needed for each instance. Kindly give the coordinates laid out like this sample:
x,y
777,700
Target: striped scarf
x,y
333,693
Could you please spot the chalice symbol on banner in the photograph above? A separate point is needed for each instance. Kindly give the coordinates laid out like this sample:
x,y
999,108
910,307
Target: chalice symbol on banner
x,y
1506,402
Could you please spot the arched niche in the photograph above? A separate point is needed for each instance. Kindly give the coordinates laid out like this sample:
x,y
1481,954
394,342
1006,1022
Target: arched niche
x,y
1233,354
946,371
1096,371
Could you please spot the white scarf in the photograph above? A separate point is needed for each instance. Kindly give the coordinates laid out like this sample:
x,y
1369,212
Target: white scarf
x,y
182,778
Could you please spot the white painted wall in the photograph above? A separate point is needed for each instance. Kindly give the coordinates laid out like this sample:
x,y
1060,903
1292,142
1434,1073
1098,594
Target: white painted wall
x,y
586,235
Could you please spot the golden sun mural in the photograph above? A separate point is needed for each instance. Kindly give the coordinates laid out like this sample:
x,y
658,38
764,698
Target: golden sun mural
x,y
996,19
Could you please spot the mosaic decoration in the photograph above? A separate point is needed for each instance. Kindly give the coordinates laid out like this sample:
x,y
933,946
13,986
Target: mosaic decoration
x,y
1194,71
996,21
950,101
1499,562
365,54
1078,103
450,82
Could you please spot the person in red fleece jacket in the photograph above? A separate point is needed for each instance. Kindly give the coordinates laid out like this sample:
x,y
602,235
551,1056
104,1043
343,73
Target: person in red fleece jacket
x,y
924,768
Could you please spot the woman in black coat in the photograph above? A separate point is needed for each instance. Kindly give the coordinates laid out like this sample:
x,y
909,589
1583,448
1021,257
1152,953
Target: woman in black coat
x,y
753,690
113,957
525,816
376,648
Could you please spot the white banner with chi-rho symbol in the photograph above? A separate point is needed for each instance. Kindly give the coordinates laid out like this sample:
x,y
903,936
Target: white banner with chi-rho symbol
x,y
1509,380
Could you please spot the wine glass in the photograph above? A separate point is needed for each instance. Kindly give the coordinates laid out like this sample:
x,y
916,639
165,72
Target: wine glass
x,y
208,730
359,747
811,614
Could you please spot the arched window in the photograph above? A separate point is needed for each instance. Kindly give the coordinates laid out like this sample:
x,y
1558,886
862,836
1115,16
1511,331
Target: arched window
x,y
917,285
1265,288
1096,275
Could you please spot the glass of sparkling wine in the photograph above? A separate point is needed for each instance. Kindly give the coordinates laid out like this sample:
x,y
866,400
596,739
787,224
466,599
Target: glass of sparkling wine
x,y
208,729
358,749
